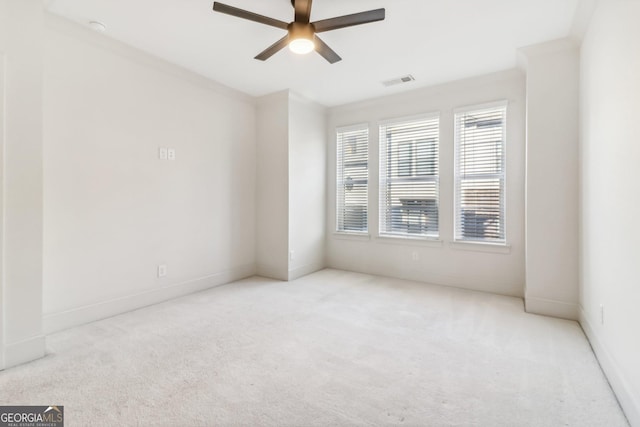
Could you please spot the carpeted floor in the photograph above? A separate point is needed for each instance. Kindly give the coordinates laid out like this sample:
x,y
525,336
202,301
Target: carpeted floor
x,y
331,349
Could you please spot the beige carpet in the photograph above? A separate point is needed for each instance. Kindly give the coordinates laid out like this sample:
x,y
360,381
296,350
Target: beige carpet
x,y
331,349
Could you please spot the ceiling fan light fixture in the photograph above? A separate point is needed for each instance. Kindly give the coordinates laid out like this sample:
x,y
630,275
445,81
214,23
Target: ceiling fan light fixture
x,y
301,46
301,38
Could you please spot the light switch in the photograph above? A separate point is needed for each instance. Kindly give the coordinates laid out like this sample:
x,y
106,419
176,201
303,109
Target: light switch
x,y
162,270
162,153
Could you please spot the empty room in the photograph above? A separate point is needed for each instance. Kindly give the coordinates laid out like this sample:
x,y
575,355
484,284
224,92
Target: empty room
x,y
319,213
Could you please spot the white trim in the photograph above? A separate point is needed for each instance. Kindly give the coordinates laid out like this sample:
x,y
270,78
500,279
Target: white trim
x,y
303,270
65,26
24,351
410,119
383,168
629,403
484,106
472,83
271,272
351,128
338,176
486,286
553,46
582,19
500,248
345,235
456,162
267,100
552,308
55,322
409,240
319,108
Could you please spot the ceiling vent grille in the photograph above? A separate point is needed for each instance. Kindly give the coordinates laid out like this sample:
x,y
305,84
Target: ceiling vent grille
x,y
400,80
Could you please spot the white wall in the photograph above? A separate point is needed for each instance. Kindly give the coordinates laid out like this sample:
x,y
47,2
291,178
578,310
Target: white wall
x,y
272,186
307,186
552,179
610,202
3,14
462,265
290,186
113,210
3,101
21,337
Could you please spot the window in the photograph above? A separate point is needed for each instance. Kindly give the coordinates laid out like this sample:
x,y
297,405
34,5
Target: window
x,y
352,178
480,174
409,177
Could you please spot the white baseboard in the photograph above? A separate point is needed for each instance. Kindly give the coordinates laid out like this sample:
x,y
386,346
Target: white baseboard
x,y
298,272
272,272
415,275
24,351
55,322
552,308
630,403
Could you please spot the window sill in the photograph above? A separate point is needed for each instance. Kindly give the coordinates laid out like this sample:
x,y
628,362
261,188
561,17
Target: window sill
x,y
408,240
345,235
497,248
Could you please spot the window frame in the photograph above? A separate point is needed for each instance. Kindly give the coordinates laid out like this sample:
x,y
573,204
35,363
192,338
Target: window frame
x,y
339,179
502,176
382,147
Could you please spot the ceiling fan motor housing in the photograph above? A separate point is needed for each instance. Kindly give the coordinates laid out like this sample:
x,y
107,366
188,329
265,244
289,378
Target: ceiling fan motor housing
x,y
298,30
301,33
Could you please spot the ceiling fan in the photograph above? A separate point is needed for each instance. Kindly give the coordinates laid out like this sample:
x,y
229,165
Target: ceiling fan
x,y
301,34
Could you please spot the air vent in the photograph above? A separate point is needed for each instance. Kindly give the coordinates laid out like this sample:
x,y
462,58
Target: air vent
x,y
400,80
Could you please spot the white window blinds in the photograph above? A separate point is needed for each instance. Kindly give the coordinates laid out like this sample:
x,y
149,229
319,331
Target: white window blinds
x,y
409,177
352,178
480,174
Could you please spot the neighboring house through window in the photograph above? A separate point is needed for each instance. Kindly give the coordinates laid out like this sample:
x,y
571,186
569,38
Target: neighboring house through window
x,y
480,173
352,178
409,177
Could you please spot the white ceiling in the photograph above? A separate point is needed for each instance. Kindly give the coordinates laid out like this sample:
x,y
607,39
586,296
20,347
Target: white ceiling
x,y
434,40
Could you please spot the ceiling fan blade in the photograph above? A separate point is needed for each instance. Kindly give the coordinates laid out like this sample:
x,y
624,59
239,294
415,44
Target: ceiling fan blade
x,y
303,10
327,53
244,14
349,20
273,49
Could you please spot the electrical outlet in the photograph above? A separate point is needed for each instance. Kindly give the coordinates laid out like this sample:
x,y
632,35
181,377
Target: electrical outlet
x,y
171,153
162,153
415,256
291,255
162,270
